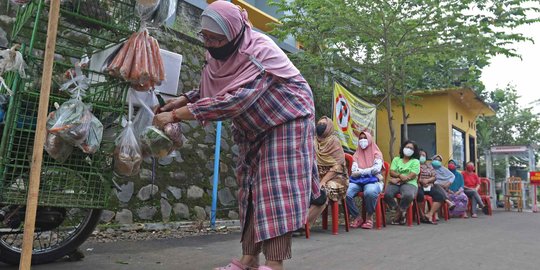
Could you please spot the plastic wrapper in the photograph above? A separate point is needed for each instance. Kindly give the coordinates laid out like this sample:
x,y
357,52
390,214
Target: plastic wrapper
x,y
12,60
174,132
155,142
127,153
95,134
139,62
146,9
57,148
71,122
167,9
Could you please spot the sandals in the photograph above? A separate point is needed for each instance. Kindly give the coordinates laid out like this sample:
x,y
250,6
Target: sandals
x,y
485,210
400,220
235,265
356,223
451,206
426,220
368,225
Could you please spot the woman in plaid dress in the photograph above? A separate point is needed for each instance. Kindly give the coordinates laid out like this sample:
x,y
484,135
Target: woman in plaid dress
x,y
249,79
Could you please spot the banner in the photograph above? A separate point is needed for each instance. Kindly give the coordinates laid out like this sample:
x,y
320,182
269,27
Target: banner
x,y
534,177
352,115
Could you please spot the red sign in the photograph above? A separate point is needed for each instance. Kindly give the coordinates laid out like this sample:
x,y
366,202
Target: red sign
x,y
535,178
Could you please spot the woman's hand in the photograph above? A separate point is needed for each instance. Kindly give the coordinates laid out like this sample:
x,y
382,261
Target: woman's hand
x,y
174,103
394,180
403,178
162,119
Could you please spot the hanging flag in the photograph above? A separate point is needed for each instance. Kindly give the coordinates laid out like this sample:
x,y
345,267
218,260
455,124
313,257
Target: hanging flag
x,y
352,115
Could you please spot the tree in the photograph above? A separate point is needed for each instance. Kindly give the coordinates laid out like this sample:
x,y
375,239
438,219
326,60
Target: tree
x,y
391,46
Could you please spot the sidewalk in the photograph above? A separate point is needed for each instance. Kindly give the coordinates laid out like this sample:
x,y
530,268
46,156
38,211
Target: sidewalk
x,y
503,241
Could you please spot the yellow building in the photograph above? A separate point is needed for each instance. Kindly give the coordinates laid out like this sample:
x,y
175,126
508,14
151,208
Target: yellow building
x,y
440,121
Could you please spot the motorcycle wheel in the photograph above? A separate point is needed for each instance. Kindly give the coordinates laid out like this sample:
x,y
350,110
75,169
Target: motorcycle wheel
x,y
53,244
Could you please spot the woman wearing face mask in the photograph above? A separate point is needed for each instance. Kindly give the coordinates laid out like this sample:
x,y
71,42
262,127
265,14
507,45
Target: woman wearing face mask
x,y
472,184
456,194
426,186
249,79
331,165
403,179
443,179
365,176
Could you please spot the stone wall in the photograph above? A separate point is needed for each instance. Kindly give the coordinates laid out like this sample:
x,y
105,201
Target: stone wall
x,y
182,186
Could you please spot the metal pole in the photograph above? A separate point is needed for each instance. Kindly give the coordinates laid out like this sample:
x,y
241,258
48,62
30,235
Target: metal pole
x,y
216,176
39,139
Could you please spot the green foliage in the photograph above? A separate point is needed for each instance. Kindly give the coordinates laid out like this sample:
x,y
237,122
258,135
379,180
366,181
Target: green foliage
x,y
394,47
512,125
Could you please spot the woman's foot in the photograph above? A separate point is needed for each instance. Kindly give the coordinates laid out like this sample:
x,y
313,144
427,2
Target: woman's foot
x,y
451,206
234,265
485,210
474,215
368,225
357,222
427,220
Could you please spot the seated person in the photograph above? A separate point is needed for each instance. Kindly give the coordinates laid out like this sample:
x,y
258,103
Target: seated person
x,y
403,180
426,186
365,176
332,169
472,184
456,194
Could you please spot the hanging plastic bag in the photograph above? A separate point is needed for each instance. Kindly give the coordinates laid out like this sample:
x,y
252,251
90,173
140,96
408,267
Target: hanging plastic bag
x,y
127,153
12,60
57,148
95,134
175,134
146,9
71,121
155,142
167,9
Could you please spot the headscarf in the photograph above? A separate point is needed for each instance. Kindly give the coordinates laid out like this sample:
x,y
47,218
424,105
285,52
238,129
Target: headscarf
x,y
442,174
327,146
220,77
365,158
458,181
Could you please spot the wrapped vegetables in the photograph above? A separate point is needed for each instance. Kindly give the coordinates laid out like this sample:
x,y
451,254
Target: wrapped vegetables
x,y
71,122
174,133
127,153
155,143
57,148
139,62
95,134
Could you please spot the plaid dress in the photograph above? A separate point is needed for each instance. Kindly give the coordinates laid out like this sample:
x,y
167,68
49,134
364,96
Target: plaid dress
x,y
274,128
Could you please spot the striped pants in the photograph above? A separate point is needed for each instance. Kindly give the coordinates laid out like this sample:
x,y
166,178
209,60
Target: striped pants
x,y
274,249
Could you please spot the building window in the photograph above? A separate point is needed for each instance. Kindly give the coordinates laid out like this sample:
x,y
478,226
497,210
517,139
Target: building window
x,y
457,116
424,135
472,149
462,119
458,147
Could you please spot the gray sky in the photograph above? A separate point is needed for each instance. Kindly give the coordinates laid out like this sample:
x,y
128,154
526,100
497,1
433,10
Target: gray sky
x,y
524,74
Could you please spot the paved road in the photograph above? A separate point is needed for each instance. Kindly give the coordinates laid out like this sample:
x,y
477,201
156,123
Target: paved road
x,y
503,241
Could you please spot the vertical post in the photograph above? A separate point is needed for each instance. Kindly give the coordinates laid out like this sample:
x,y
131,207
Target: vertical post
x,y
216,176
491,177
39,139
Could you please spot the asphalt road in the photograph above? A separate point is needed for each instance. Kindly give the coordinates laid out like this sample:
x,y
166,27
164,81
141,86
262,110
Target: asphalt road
x,y
503,241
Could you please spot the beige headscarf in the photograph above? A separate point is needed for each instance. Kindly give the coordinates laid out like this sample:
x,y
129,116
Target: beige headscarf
x,y
327,146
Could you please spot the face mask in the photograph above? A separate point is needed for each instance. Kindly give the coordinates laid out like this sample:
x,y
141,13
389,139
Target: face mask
x,y
452,166
436,164
470,168
422,159
320,129
363,143
223,52
408,152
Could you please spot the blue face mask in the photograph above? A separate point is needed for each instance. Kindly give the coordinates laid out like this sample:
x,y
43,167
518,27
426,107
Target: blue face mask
x,y
436,164
422,159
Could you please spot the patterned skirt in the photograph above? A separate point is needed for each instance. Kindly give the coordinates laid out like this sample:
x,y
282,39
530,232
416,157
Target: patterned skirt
x,y
336,188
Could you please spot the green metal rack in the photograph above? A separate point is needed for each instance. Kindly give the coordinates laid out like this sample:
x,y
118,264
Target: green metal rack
x,y
86,27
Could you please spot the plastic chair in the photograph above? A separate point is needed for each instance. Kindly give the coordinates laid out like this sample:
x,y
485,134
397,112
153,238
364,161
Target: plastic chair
x,y
379,213
484,192
335,209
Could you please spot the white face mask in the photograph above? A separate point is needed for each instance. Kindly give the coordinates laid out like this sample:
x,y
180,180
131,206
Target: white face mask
x,y
363,143
408,152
